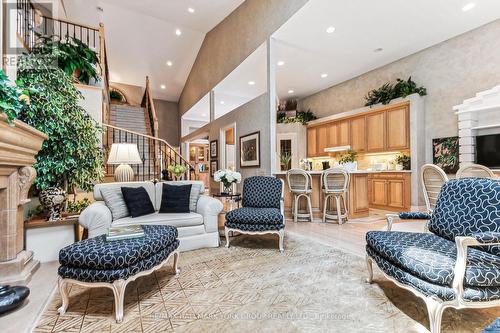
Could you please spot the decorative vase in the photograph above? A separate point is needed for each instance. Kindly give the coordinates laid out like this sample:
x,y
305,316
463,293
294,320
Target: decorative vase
x,y
399,167
228,188
52,199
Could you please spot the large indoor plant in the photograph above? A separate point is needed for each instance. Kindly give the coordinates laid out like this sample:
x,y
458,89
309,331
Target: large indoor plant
x,y
71,158
73,56
13,97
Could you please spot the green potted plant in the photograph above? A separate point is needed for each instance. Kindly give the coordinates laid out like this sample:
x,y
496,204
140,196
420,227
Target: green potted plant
x,y
178,170
74,57
388,92
348,160
285,160
403,162
72,156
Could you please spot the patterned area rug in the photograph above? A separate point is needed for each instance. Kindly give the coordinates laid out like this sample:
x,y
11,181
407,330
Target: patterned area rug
x,y
251,287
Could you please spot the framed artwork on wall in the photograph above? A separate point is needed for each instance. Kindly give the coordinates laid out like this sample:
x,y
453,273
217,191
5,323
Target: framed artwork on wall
x,y
214,166
445,153
250,150
213,149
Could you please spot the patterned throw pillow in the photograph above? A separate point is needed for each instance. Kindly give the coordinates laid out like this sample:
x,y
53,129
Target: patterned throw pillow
x,y
113,198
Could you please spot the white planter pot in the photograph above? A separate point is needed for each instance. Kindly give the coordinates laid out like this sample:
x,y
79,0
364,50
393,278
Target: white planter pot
x,y
350,166
399,167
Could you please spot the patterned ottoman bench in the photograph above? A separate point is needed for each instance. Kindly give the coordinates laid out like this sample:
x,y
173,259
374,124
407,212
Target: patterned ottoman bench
x,y
96,262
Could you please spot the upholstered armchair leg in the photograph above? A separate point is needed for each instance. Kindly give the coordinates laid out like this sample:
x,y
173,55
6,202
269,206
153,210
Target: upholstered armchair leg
x,y
177,270
63,290
282,238
119,287
369,266
435,310
339,210
226,233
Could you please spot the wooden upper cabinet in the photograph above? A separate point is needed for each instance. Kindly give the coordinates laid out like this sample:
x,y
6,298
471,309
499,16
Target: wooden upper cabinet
x,y
398,132
333,134
376,130
322,140
344,137
358,134
311,142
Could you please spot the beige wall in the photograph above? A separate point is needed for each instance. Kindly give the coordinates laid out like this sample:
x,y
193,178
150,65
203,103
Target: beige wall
x,y
168,121
451,71
249,118
231,41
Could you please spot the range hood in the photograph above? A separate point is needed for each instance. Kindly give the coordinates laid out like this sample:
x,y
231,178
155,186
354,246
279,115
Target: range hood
x,y
337,149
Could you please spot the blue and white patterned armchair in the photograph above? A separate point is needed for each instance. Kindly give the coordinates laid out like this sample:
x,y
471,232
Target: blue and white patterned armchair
x,y
262,210
456,264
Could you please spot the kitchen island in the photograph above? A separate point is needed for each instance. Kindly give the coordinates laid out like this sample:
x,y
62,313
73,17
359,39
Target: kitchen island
x,y
387,190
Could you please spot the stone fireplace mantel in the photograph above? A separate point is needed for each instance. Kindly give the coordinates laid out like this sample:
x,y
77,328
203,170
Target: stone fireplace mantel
x,y
19,143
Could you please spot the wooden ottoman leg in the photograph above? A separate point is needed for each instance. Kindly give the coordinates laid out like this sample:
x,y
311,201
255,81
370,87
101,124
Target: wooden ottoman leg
x,y
119,293
63,290
177,270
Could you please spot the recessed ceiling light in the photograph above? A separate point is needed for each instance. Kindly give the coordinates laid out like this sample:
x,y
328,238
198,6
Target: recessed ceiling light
x,y
468,6
191,10
251,83
281,63
178,32
169,63
330,30
163,86
378,49
222,102
291,91
324,75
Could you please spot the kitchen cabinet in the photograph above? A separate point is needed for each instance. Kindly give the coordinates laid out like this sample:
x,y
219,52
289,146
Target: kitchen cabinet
x,y
358,134
398,133
375,132
322,140
389,190
344,130
312,141
358,199
333,135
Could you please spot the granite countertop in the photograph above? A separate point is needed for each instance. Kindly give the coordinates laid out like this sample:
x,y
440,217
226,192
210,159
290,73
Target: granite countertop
x,y
318,172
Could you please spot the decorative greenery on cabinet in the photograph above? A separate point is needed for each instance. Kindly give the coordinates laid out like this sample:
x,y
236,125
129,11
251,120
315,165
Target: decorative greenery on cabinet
x,y
302,117
388,92
72,156
404,160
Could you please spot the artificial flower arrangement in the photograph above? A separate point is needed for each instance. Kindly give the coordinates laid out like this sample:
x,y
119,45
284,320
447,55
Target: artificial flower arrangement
x,y
227,178
178,170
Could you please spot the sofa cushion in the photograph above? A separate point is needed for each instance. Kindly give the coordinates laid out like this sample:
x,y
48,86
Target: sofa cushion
x,y
197,189
138,201
262,192
432,258
113,198
445,293
97,253
250,215
466,207
254,226
110,275
175,199
149,186
175,219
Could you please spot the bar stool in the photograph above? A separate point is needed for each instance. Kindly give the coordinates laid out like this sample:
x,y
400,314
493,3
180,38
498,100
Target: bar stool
x,y
335,183
300,185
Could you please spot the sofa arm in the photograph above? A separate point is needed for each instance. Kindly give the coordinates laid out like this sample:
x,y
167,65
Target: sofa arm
x,y
96,218
209,208
405,216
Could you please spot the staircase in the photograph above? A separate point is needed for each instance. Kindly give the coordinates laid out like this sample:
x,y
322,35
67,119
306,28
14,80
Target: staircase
x,y
130,117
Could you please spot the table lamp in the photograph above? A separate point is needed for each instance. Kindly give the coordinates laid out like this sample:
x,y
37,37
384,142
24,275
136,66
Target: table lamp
x,y
124,154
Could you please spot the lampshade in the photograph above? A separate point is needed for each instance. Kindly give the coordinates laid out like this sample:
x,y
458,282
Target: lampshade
x,y
124,153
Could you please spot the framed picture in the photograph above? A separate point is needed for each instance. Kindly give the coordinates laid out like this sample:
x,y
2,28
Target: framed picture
x,y
250,150
213,148
445,153
214,166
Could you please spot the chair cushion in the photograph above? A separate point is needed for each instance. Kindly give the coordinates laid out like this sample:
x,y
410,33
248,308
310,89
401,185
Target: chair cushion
x,y
467,206
178,220
110,275
262,192
432,258
445,293
414,216
254,227
249,215
97,253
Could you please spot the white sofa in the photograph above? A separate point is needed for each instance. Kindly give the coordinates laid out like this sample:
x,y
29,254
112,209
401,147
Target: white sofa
x,y
197,229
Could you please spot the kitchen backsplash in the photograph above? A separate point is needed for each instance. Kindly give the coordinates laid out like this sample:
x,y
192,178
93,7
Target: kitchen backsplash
x,y
377,161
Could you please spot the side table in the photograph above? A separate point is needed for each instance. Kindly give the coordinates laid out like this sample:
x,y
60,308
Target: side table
x,y
230,201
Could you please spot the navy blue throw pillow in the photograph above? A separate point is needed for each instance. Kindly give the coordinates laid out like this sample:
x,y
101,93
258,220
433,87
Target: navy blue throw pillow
x,y
175,198
137,201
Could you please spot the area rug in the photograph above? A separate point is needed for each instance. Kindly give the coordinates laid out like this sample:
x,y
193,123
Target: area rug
x,y
251,287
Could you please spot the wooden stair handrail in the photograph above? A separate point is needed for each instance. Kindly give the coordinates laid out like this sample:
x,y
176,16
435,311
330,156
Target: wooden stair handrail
x,y
148,103
150,137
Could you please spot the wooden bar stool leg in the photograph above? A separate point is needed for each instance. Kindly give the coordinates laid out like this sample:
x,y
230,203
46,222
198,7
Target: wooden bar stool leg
x,y
324,208
296,200
339,210
309,204
346,211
